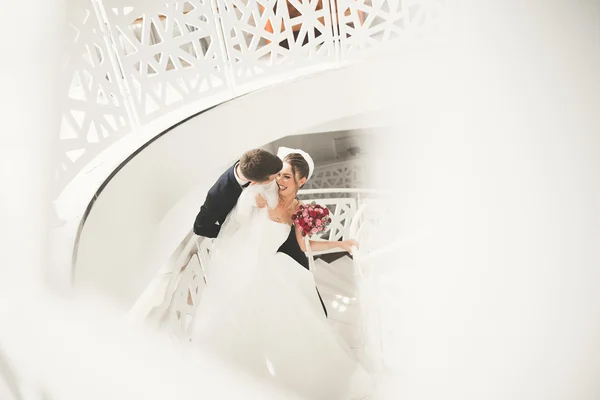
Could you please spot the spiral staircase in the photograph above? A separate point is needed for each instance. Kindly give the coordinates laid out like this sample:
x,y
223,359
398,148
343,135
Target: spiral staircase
x,y
156,82
496,297
150,88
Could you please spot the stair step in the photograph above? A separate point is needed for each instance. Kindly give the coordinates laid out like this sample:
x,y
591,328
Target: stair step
x,y
343,274
344,266
326,277
338,309
337,287
339,269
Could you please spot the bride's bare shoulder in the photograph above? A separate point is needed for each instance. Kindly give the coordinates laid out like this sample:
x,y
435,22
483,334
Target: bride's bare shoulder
x,y
297,205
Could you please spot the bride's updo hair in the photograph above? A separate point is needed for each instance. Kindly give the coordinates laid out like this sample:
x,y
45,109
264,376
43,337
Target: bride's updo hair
x,y
299,166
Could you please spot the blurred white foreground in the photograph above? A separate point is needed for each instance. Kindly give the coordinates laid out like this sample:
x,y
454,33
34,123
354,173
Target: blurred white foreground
x,y
82,350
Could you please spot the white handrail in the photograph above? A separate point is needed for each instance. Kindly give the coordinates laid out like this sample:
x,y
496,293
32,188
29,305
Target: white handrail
x,y
309,254
342,190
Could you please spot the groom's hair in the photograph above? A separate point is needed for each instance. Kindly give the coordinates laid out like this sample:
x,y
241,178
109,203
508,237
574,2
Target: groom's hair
x,y
258,165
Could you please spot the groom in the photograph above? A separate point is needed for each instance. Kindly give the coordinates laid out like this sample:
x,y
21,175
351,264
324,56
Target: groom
x,y
255,166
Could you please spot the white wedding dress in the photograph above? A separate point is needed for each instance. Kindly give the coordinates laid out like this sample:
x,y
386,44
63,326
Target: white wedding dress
x,y
261,311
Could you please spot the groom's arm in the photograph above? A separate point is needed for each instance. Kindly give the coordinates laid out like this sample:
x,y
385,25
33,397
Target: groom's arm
x,y
220,199
206,220
212,210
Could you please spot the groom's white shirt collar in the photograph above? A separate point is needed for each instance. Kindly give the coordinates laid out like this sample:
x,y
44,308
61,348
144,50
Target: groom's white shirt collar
x,y
237,178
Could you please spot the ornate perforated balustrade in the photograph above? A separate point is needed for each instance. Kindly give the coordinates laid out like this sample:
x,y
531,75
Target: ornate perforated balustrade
x,y
130,62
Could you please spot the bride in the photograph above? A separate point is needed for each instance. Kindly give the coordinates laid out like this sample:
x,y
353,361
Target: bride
x,y
260,309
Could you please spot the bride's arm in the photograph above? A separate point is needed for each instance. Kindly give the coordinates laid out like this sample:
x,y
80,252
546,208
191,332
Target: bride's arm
x,y
324,245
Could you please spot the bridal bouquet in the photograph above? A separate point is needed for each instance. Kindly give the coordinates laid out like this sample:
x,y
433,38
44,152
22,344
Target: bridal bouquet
x,y
311,218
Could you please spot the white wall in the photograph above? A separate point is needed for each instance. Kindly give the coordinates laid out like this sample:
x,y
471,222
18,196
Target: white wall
x,y
321,146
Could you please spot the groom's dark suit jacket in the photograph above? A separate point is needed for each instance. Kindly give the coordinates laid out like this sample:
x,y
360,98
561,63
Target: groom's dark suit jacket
x,y
220,200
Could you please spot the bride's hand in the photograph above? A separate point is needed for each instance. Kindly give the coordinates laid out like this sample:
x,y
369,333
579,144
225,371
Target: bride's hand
x,y
348,244
260,201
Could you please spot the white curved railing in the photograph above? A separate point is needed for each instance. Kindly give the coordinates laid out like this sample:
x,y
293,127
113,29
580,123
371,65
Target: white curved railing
x,y
130,63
